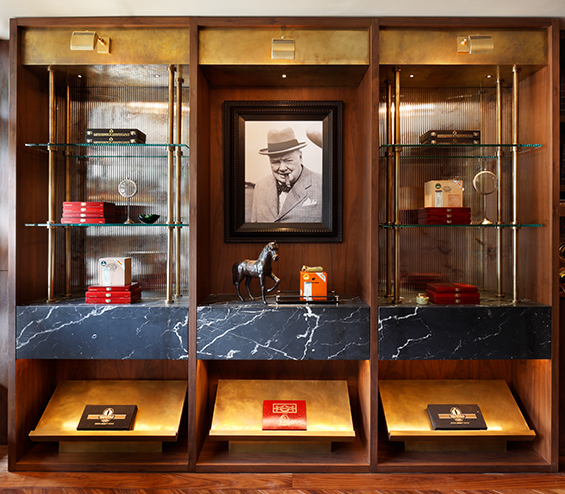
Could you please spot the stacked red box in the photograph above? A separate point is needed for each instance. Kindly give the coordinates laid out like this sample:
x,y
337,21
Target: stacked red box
x,y
453,293
419,281
126,294
88,212
444,216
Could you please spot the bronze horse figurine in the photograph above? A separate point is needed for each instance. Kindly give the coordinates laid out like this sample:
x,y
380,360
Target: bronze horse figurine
x,y
261,268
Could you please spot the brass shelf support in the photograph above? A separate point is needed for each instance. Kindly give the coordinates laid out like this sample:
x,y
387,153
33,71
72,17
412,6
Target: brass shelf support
x,y
515,99
170,179
499,155
397,150
51,191
179,81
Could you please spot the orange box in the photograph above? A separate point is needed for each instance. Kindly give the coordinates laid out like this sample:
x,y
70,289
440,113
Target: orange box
x,y
313,284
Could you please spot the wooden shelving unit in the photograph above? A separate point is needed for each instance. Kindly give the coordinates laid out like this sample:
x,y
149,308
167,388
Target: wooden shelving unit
x,y
242,70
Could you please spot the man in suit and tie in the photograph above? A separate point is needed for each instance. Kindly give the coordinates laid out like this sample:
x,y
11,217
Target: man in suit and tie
x,y
291,193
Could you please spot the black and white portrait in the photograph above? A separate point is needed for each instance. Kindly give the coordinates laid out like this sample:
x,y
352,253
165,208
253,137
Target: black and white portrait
x,y
283,171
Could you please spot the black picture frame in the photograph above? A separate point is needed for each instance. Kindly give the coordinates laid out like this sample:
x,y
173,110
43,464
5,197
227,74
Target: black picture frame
x,y
244,122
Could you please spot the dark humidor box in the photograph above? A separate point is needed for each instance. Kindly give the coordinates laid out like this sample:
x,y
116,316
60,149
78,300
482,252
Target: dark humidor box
x,y
451,137
132,136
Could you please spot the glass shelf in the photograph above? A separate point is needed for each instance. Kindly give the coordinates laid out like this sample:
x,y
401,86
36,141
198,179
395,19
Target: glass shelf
x,y
108,224
478,225
457,151
112,150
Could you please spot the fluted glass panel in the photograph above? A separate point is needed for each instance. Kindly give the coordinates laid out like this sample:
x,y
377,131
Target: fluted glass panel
x,y
443,254
97,177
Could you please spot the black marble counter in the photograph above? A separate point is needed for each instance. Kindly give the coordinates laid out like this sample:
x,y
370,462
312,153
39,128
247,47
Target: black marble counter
x,y
230,329
72,329
495,329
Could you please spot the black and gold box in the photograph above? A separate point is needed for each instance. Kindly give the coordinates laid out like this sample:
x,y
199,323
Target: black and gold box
x,y
451,137
132,136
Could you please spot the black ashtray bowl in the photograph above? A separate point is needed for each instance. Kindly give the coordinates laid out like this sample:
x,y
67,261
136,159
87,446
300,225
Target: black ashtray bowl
x,y
148,218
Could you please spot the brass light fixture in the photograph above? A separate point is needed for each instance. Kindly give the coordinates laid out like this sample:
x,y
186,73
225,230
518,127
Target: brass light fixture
x,y
475,44
89,40
282,48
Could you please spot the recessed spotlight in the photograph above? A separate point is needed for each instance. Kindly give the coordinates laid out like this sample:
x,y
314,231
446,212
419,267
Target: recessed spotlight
x,y
157,75
79,76
412,75
489,76
284,76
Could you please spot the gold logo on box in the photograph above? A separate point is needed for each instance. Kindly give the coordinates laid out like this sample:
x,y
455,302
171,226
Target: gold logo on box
x,y
285,408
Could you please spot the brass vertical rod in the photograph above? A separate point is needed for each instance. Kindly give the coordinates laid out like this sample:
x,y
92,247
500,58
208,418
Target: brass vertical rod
x,y
390,191
68,194
170,156
51,191
397,187
178,184
515,99
499,155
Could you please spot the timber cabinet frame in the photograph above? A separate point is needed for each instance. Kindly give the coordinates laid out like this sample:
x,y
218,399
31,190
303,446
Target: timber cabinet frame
x,y
243,70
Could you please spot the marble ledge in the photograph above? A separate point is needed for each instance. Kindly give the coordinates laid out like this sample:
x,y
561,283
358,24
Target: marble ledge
x,y
72,329
495,329
228,329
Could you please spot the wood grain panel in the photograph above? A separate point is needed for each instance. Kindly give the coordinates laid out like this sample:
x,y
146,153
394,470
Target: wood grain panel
x,y
200,150
31,399
444,369
341,261
531,386
4,232
537,250
4,136
121,369
31,189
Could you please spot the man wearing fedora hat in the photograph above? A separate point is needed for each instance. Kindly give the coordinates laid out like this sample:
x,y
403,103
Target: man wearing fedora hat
x,y
291,193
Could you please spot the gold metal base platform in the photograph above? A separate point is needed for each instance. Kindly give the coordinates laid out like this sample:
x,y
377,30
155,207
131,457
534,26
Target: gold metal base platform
x,y
238,411
405,408
159,410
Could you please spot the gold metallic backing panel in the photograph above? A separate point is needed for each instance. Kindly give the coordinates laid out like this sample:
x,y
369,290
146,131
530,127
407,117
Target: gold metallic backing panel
x,y
405,408
159,409
238,412
128,46
439,47
248,46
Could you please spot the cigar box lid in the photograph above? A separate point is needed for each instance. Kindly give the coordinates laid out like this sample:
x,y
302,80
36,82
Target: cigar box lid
x,y
452,288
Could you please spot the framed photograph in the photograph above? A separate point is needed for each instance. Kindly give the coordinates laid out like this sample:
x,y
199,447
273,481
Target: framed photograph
x,y
283,171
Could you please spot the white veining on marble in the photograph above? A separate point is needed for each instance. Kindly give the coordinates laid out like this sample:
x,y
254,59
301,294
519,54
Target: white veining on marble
x,y
282,332
97,311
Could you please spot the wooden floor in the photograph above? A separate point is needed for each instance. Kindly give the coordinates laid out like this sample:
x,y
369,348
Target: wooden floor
x,y
158,483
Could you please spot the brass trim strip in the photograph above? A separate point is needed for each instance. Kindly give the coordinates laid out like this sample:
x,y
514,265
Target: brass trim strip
x,y
51,188
178,152
68,193
143,45
499,155
401,46
515,148
170,155
252,46
397,150
390,191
